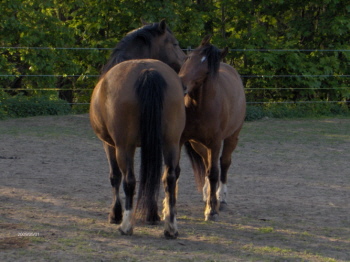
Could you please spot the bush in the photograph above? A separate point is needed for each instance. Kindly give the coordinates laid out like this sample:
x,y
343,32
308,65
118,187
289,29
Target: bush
x,y
80,108
2,113
254,113
22,106
312,109
296,110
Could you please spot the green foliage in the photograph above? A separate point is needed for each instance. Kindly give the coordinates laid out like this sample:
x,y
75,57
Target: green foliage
x,y
296,110
265,25
24,106
306,110
254,113
3,113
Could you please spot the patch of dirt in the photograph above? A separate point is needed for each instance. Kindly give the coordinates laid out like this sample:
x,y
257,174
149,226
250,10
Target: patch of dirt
x,y
13,242
289,191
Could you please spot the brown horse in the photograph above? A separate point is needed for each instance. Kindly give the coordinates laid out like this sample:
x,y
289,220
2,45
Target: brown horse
x,y
154,41
140,103
150,41
215,111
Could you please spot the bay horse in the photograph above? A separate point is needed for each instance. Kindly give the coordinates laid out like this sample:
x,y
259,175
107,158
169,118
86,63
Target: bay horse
x,y
140,103
151,41
154,41
215,112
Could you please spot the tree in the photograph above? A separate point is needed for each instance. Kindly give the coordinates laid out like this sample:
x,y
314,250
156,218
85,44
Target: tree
x,y
252,24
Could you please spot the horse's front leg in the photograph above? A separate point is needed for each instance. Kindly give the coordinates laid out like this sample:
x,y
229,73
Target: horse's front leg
x,y
212,204
170,177
115,176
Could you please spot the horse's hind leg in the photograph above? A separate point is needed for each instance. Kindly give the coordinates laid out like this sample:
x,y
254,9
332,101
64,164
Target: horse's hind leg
x,y
115,176
230,144
203,152
170,177
125,160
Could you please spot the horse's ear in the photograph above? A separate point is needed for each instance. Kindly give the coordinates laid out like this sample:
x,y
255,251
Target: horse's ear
x,y
223,52
144,21
206,40
162,26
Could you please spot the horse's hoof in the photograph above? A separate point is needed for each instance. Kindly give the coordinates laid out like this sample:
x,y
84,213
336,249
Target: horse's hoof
x,y
129,232
214,217
223,205
168,235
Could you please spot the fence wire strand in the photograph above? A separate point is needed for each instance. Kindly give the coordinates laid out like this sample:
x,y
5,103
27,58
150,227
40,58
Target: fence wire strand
x,y
243,76
188,49
184,49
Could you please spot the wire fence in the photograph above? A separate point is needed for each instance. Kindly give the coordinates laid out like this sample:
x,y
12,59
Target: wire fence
x,y
189,49
243,76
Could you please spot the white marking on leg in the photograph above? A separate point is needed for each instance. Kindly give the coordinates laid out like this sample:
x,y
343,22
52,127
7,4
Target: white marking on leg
x,y
221,193
207,212
209,215
126,225
165,209
205,189
169,227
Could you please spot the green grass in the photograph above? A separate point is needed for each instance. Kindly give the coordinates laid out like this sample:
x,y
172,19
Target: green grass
x,y
266,230
23,106
51,127
296,110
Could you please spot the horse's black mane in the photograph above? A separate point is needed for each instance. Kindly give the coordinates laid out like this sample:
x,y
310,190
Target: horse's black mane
x,y
143,36
213,56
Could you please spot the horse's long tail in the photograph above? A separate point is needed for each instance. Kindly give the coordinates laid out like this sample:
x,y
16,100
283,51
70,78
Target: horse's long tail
x,y
198,165
150,88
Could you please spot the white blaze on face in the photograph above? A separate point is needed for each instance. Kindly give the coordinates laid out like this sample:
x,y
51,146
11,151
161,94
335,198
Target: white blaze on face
x,y
203,59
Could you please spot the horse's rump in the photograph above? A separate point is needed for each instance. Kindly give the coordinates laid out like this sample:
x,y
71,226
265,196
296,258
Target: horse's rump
x,y
232,91
140,103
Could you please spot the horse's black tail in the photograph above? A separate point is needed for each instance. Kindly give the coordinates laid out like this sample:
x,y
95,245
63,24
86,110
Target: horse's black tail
x,y
150,88
198,165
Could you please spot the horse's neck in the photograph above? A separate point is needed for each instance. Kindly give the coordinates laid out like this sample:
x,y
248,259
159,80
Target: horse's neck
x,y
121,55
139,53
204,94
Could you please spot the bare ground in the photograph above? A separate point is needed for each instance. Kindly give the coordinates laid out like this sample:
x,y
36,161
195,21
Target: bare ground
x,y
289,197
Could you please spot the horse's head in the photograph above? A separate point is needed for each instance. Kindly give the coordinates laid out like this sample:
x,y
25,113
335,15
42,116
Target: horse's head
x,y
200,64
154,41
165,48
